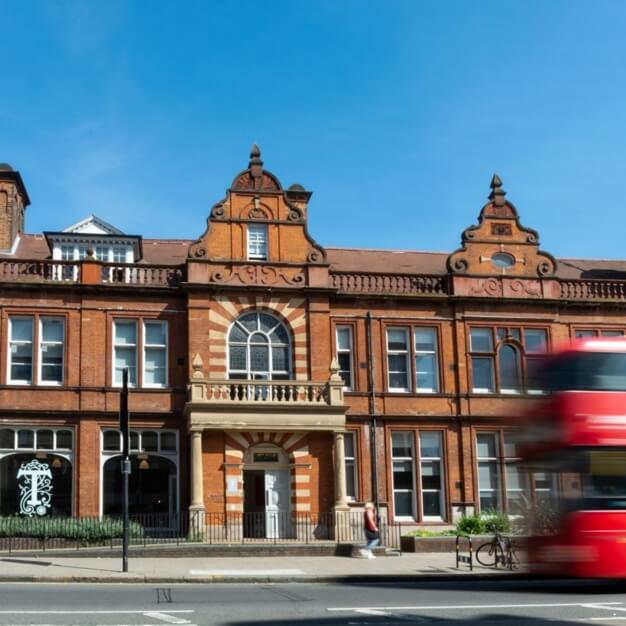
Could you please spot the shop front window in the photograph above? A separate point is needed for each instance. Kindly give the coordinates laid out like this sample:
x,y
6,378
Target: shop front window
x,y
35,472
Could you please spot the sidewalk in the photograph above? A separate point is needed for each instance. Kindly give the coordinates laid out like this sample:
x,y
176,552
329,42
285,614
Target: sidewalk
x,y
406,567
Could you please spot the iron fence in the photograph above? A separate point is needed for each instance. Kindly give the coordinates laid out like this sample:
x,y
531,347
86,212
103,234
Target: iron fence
x,y
271,527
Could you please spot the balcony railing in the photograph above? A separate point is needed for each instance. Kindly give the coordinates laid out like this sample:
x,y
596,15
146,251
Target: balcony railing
x,y
593,290
50,271
404,284
126,274
275,393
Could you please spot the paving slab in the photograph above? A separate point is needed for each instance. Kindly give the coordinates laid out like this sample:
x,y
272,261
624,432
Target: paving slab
x,y
239,569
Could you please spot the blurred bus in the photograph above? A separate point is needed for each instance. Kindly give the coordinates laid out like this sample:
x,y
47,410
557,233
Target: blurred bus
x,y
578,434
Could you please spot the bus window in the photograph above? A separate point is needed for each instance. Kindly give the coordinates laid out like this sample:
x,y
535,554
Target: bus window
x,y
585,371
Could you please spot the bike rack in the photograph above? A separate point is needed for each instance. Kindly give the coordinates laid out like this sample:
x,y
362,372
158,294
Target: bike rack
x,y
462,558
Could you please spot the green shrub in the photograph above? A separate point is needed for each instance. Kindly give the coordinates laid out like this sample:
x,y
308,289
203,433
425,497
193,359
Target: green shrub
x,y
470,525
490,521
83,529
495,521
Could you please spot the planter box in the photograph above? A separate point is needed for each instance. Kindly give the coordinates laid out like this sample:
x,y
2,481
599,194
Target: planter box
x,y
446,543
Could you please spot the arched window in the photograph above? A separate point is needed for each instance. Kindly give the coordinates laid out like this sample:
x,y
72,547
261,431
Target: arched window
x,y
259,348
510,369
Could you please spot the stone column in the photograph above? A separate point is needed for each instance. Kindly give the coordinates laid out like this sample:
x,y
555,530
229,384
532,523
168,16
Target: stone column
x,y
342,510
196,509
341,500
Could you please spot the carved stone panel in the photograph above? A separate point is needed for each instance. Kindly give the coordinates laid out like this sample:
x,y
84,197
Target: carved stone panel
x,y
261,275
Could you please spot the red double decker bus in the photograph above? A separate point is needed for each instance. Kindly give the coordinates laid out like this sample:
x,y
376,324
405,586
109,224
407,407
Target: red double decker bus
x,y
578,433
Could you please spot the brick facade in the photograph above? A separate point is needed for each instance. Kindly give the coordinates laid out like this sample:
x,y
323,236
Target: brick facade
x,y
499,280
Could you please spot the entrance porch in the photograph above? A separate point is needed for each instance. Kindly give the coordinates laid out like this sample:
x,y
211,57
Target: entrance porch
x,y
271,454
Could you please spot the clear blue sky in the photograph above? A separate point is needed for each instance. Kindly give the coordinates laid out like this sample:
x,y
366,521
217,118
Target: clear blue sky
x,y
395,114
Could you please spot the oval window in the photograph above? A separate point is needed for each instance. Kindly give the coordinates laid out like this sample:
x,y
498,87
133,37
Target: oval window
x,y
502,260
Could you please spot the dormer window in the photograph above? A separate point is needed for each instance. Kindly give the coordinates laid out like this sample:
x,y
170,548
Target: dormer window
x,y
257,242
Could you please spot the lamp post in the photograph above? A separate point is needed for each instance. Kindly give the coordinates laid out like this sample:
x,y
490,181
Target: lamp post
x,y
125,465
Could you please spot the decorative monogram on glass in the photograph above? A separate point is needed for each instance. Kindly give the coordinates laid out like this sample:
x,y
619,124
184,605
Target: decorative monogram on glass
x,y
35,483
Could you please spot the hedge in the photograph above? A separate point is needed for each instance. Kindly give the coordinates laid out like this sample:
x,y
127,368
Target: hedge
x,y
87,529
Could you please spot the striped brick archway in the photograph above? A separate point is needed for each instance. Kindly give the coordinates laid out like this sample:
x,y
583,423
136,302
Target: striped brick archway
x,y
294,444
225,310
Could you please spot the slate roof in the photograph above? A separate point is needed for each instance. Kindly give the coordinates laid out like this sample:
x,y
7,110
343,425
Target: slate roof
x,y
174,252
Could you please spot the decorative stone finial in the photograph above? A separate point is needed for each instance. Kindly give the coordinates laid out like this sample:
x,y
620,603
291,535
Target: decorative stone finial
x,y
255,156
256,166
497,193
334,371
197,364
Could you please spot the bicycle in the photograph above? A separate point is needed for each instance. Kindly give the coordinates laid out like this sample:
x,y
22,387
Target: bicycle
x,y
499,551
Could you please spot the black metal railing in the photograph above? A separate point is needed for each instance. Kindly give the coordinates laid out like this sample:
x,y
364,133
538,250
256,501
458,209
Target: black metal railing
x,y
270,527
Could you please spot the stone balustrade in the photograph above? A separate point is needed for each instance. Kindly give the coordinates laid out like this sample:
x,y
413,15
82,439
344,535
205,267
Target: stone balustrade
x,y
53,271
274,393
403,284
593,290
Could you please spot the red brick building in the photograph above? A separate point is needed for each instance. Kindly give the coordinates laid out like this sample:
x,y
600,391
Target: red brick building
x,y
270,373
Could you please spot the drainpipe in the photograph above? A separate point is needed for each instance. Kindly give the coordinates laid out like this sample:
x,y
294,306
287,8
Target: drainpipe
x,y
372,394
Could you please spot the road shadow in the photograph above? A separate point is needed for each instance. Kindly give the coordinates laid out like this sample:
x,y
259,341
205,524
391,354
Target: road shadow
x,y
517,584
404,619
52,564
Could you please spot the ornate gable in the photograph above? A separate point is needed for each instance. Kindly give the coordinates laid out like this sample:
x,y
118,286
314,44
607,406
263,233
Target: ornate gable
x,y
499,245
257,203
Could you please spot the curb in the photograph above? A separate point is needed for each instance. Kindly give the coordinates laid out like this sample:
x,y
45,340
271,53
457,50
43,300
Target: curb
x,y
347,578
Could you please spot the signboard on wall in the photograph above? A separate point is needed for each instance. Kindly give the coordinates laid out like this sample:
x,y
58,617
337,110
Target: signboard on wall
x,y
35,484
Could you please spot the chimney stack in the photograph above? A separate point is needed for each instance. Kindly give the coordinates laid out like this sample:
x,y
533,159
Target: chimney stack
x,y
13,202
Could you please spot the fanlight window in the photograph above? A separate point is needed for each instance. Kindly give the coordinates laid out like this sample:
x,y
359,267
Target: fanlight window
x,y
259,348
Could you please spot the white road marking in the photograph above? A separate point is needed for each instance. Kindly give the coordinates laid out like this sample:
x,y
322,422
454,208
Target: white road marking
x,y
164,617
114,612
373,612
414,619
245,572
595,605
475,606
599,605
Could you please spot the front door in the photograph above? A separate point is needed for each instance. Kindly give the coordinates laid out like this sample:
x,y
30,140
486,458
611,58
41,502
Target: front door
x,y
277,503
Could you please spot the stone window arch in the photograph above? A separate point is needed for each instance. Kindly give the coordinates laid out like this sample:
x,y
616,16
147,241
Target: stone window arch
x,y
259,348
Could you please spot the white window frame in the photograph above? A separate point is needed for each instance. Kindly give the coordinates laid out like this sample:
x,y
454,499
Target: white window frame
x,y
40,351
406,352
435,354
481,355
343,351
351,460
12,342
495,460
513,461
404,459
119,254
102,253
67,252
257,242
163,347
117,321
441,491
249,373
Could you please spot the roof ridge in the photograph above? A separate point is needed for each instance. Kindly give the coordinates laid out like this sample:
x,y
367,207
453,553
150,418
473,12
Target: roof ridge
x,y
385,250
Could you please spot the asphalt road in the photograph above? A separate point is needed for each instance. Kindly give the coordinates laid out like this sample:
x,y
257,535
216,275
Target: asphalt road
x,y
514,602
